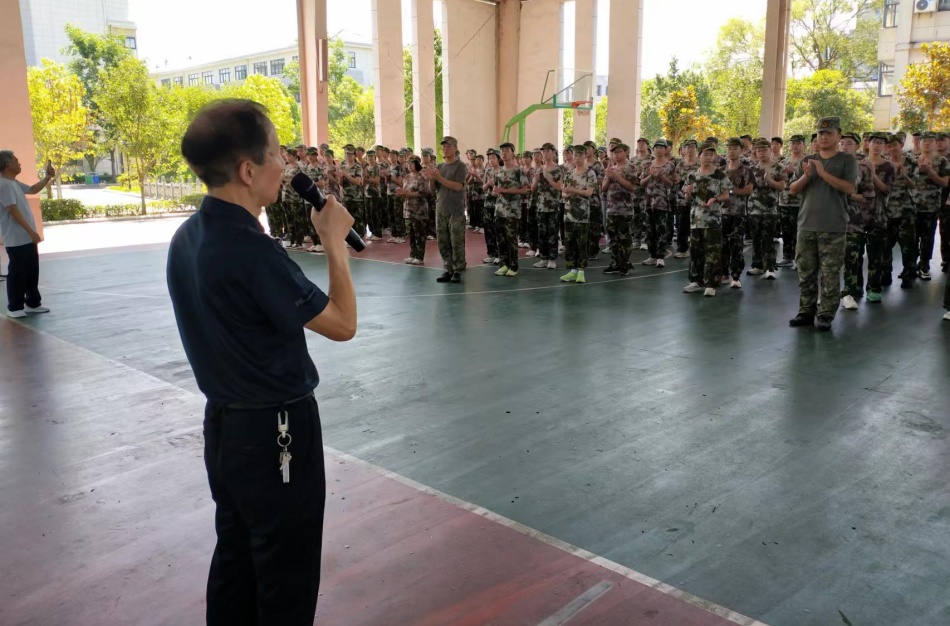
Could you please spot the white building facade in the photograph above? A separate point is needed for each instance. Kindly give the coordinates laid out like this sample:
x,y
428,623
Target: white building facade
x,y
44,24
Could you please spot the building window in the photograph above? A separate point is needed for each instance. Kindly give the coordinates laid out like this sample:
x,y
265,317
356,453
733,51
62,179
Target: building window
x,y
224,75
240,72
295,58
943,5
261,68
599,90
351,56
192,79
179,80
276,67
890,13
130,42
166,82
207,78
885,80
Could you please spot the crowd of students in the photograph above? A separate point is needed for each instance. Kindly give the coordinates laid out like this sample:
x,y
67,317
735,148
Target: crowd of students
x,y
700,200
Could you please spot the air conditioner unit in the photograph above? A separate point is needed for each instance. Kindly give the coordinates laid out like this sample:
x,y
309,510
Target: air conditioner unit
x,y
925,6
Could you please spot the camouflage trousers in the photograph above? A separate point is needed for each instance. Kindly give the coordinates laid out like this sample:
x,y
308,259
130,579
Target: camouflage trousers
x,y
450,232
375,217
596,226
639,221
683,233
576,242
657,232
892,234
620,231
788,227
356,208
491,232
548,235
945,235
820,257
763,228
732,261
873,241
476,213
667,241
430,228
506,232
533,234
705,256
907,237
297,228
395,220
417,238
275,219
926,232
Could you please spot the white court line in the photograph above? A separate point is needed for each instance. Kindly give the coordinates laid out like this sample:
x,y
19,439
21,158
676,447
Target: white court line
x,y
643,579
578,604
101,293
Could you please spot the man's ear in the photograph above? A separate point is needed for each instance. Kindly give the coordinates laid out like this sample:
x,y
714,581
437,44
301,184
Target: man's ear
x,y
246,172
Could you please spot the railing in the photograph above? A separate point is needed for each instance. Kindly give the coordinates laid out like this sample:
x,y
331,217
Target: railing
x,y
171,191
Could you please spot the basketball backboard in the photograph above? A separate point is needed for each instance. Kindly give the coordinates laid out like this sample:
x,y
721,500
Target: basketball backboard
x,y
567,88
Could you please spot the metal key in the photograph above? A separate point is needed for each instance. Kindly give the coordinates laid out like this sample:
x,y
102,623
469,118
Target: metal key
x,y
283,440
285,465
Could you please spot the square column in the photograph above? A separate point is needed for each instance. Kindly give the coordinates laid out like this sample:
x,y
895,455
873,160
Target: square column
x,y
539,52
390,105
626,61
423,75
507,61
16,123
468,73
775,73
314,69
585,42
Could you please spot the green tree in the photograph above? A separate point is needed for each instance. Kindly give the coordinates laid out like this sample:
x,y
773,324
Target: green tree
x,y
137,111
270,93
600,122
682,119
410,96
655,91
60,118
292,74
836,35
924,91
734,70
826,93
359,127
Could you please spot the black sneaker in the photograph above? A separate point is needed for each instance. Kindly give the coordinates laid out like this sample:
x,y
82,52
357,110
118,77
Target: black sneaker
x,y
887,280
610,269
824,324
623,272
801,320
906,283
456,277
444,278
924,274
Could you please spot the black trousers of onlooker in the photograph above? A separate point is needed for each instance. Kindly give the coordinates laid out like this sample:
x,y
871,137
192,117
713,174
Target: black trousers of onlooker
x,y
23,277
266,565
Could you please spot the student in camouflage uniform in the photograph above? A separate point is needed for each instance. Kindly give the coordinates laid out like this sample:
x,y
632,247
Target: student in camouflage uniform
x,y
689,163
618,186
397,169
537,160
526,161
510,184
548,206
706,189
372,181
414,191
789,204
351,183
315,172
488,184
293,203
734,212
933,175
332,172
577,187
596,227
901,215
769,180
428,163
641,162
476,191
658,178
824,180
778,144
868,226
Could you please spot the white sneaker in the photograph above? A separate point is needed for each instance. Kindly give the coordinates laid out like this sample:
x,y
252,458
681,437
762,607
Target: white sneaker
x,y
496,261
391,240
402,240
531,253
606,250
660,263
552,265
755,271
946,317
429,238
374,238
650,261
317,249
541,265
710,292
736,284
644,246
682,255
502,270
692,288
39,309
489,259
561,248
769,276
16,314
307,239
794,266
417,262
408,260
849,303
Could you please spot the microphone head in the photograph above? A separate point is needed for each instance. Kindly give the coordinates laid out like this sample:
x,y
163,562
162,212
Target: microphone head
x,y
301,183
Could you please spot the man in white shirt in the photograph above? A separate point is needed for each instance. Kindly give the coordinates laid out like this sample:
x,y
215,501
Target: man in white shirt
x,y
20,237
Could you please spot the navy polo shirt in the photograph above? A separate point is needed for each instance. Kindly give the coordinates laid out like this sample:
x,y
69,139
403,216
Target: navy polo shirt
x,y
241,305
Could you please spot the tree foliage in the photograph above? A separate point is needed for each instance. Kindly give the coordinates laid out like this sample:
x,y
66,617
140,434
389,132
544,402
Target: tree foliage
x,y
828,93
837,35
60,117
734,70
682,119
924,91
410,95
270,93
656,90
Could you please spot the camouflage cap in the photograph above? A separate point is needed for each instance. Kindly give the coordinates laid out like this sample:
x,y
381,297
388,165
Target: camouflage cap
x,y
580,149
492,151
405,152
527,154
508,145
707,145
795,138
614,142
691,142
349,149
852,136
660,143
549,146
749,137
734,142
894,138
472,152
429,152
601,150
590,144
928,135
943,135
715,140
762,142
448,140
916,133
620,146
324,146
313,151
328,152
643,140
283,147
829,124
877,136
779,140
371,153
301,147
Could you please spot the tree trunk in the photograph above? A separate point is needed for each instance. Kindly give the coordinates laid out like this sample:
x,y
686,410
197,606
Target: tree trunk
x,y
142,186
59,185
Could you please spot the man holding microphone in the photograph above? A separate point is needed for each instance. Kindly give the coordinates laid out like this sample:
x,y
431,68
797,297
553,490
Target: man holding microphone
x,y
242,306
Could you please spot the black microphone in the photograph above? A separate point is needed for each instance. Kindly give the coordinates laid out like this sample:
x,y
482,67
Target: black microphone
x,y
305,188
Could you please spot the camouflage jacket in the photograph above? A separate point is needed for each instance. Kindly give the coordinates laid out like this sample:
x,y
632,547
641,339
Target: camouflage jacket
x,y
577,208
872,211
619,199
641,166
416,208
598,168
740,178
488,183
683,169
372,171
476,188
395,171
901,200
787,198
350,191
704,187
764,199
657,196
549,198
288,194
928,194
509,206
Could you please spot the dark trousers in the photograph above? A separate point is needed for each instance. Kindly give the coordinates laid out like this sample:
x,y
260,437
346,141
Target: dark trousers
x,y
682,228
23,277
926,232
944,235
547,235
266,565
763,229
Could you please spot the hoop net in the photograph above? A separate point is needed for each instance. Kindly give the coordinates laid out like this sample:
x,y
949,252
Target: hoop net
x,y
582,107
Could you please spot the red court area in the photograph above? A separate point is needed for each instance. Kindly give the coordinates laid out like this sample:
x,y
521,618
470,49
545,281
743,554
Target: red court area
x,y
475,251
398,554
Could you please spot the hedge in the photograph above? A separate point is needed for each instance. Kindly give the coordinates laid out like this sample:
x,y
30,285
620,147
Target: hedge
x,y
60,210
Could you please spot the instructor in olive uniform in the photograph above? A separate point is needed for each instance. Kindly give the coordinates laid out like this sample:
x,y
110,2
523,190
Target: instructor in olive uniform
x,y
242,307
448,182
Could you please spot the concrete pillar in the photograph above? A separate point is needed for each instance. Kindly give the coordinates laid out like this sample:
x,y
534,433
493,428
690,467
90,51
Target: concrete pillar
x,y
585,42
509,50
539,53
469,82
390,105
314,68
423,75
775,72
16,123
626,54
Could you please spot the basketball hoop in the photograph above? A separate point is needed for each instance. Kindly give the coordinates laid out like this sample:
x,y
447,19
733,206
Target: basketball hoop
x,y
582,107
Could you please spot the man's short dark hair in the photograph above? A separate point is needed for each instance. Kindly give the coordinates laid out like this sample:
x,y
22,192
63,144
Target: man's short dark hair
x,y
221,136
